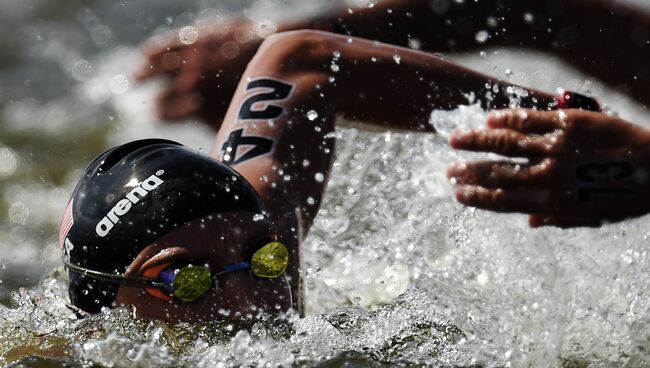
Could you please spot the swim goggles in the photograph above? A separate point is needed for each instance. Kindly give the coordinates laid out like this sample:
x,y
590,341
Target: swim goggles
x,y
190,282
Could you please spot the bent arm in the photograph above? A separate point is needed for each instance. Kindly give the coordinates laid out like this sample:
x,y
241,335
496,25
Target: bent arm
x,y
276,130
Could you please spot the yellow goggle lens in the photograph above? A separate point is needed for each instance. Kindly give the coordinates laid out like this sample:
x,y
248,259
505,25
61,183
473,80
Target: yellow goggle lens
x,y
270,261
192,282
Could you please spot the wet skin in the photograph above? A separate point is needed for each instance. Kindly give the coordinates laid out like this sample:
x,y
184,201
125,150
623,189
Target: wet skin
x,y
216,240
204,75
584,168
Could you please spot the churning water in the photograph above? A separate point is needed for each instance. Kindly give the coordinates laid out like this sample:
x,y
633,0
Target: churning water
x,y
395,271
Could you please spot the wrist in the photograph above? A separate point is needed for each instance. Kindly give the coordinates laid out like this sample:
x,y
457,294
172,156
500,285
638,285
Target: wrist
x,y
645,139
572,100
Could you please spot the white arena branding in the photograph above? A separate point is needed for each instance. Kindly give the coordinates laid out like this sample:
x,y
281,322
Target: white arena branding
x,y
122,207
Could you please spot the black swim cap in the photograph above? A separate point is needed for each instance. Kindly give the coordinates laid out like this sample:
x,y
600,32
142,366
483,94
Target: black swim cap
x,y
132,195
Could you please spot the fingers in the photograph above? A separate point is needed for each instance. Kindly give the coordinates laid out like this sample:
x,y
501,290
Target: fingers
x,y
182,98
504,142
502,174
189,76
506,200
176,105
160,62
163,56
562,222
527,121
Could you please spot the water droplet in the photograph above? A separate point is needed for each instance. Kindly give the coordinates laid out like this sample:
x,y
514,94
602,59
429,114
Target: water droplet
x,y
336,54
82,70
319,177
188,35
365,3
101,35
266,28
119,84
312,115
482,278
258,217
482,36
415,43
335,67
310,201
508,73
397,58
482,54
18,213
7,162
529,18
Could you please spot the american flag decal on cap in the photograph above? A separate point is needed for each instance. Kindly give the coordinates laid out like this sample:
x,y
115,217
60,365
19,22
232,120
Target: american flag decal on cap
x,y
66,223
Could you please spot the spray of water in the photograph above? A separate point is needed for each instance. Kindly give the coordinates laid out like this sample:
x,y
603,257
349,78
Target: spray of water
x,y
395,272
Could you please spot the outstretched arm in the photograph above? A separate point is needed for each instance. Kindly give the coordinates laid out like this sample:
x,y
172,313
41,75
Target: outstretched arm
x,y
276,130
607,38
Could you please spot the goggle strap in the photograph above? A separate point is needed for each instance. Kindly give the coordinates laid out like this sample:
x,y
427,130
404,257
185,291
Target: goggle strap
x,y
113,278
234,267
167,278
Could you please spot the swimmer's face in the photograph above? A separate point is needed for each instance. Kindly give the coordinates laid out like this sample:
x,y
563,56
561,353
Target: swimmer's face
x,y
217,240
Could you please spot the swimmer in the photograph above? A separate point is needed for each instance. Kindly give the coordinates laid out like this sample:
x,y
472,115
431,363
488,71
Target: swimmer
x,y
185,237
132,238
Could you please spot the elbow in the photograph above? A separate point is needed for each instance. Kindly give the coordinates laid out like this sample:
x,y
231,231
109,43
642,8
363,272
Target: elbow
x,y
295,51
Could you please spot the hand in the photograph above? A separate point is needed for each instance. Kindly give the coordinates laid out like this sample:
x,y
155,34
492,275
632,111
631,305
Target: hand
x,y
203,74
583,168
